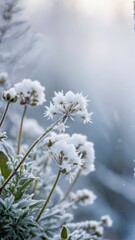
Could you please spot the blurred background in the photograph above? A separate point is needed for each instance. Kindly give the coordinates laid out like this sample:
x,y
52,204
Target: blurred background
x,y
89,46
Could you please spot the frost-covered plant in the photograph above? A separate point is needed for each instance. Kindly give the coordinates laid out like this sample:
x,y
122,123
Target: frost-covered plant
x,y
27,179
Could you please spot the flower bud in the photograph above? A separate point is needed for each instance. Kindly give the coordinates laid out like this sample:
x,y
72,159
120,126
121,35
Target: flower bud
x,y
10,95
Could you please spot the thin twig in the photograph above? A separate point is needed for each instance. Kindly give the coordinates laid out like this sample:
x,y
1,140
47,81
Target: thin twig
x,y
20,130
49,196
4,113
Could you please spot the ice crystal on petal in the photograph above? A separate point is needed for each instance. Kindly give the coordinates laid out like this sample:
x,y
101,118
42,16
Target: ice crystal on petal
x,y
69,105
88,154
64,153
61,127
30,92
50,111
84,149
66,156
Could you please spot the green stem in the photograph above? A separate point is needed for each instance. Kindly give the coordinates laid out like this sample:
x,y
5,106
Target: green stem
x,y
50,194
20,130
4,114
29,150
71,186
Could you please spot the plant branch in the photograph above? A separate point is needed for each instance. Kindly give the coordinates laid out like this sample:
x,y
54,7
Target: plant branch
x,y
49,196
30,149
4,113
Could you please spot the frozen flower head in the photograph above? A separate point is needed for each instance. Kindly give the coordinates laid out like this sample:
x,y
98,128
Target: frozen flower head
x,y
86,151
3,78
96,228
83,197
64,153
88,155
10,95
61,127
53,138
106,221
30,92
69,105
66,157
93,227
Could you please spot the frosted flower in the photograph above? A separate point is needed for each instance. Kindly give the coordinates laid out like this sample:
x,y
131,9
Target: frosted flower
x,y
10,95
64,154
86,116
3,78
106,221
99,231
30,92
93,227
88,154
50,140
83,197
78,140
68,105
86,151
61,127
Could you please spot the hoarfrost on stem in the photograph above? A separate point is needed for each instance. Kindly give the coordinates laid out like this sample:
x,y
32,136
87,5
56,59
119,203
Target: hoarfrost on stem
x,y
27,177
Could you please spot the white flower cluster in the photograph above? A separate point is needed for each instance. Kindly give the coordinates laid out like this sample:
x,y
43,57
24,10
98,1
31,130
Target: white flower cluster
x,y
30,92
10,95
86,151
94,227
83,197
69,105
71,152
66,157
106,221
